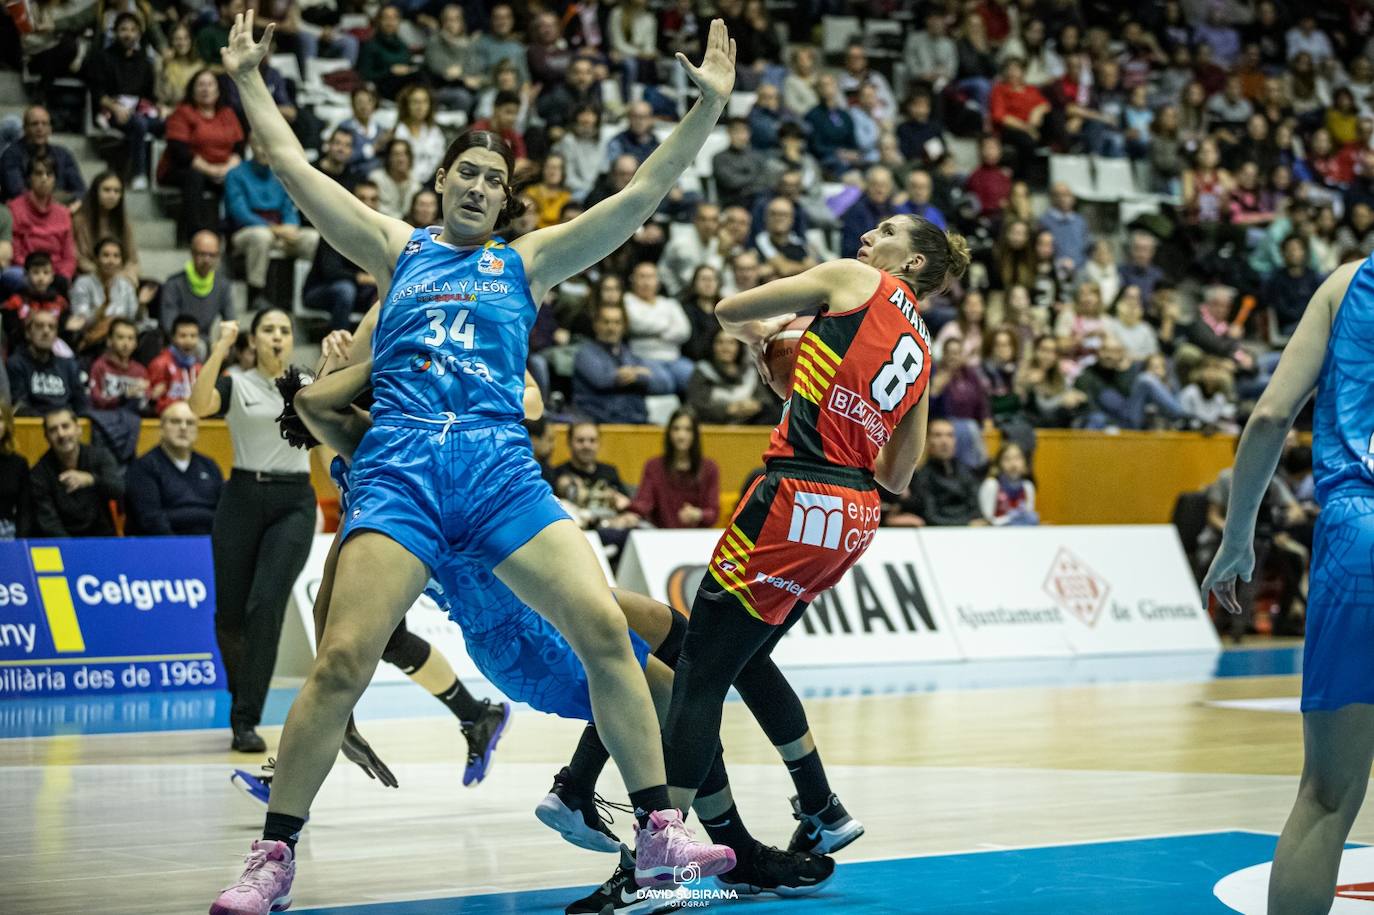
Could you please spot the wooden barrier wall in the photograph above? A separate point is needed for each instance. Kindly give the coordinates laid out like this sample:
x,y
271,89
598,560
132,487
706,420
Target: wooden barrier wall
x,y
1082,477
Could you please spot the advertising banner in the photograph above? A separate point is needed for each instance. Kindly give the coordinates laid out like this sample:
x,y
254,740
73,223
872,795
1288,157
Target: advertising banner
x,y
107,615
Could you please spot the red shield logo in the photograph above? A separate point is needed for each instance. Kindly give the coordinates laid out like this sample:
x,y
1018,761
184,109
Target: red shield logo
x,y
1075,587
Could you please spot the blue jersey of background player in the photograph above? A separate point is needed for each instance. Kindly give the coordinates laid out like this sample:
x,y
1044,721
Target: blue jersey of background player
x,y
1333,352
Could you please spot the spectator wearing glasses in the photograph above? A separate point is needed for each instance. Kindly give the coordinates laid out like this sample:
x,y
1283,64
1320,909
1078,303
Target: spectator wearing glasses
x,y
173,489
36,143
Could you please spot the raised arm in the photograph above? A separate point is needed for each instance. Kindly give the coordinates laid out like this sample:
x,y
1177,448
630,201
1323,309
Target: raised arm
x,y
552,255
756,314
365,237
1262,442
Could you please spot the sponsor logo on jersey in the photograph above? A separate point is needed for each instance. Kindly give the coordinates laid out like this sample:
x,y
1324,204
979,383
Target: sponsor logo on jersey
x,y
817,520
412,246
449,364
855,408
782,584
490,264
420,362
726,565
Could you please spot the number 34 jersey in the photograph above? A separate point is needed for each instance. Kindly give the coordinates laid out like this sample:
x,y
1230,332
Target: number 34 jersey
x,y
857,374
453,334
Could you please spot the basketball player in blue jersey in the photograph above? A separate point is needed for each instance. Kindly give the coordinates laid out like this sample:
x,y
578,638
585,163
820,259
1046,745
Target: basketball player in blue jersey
x,y
445,465
1333,351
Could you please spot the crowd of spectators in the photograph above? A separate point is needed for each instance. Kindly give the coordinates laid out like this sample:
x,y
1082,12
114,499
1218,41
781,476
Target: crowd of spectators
x,y
1249,127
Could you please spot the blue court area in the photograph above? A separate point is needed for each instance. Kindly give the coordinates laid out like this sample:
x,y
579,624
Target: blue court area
x,y
186,711
1172,875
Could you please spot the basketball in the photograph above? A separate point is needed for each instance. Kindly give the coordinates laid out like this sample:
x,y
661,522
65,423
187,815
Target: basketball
x,y
781,354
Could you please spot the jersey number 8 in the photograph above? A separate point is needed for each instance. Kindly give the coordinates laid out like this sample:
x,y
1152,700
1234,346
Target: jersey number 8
x,y
900,373
460,331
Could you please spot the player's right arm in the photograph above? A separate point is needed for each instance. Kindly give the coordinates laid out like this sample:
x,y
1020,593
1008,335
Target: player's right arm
x,y
1262,442
326,408
756,314
897,459
365,237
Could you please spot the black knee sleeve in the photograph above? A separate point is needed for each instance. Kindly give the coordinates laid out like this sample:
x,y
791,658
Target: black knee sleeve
x,y
671,647
406,650
716,780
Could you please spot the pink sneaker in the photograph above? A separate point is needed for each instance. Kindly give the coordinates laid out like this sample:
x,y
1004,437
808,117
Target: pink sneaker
x,y
265,885
666,851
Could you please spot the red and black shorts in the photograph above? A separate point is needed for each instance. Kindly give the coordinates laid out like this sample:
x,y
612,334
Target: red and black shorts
x,y
796,532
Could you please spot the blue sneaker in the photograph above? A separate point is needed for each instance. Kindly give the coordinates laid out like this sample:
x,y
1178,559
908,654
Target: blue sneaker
x,y
483,735
258,787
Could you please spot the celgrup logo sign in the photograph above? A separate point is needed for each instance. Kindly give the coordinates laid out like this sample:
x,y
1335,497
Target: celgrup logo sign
x,y
106,615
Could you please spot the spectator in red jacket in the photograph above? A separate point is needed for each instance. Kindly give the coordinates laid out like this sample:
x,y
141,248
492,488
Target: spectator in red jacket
x,y
37,293
41,223
1018,111
990,182
117,381
173,371
680,488
203,141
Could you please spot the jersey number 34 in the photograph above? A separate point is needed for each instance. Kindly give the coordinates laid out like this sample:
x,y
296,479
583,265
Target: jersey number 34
x,y
441,327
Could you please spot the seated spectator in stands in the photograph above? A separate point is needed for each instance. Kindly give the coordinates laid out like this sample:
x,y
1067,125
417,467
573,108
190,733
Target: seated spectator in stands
x,y
1228,110
943,493
117,381
657,325
214,36
200,289
857,73
871,136
582,150
336,159
203,141
799,93
34,144
180,62
609,380
831,127
1356,237
725,389
6,238
124,91
766,118
43,224
740,171
366,128
548,56
1051,401
1140,269
1209,398
1018,111
591,490
172,489
783,250
1119,395
921,137
967,326
1287,291
103,215
959,393
633,31
450,60
877,203
791,158
699,299
498,44
614,180
36,293
1100,268
173,371
930,54
551,193
384,59
1082,326
102,297
504,122
415,125
680,488
578,90
638,138
336,284
744,273
917,198
1306,38
990,182
1127,324
16,496
687,251
73,484
1006,496
397,182
1001,360
263,221
1212,331
1067,225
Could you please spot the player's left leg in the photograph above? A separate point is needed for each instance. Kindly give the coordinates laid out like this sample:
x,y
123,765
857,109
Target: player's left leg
x,y
483,722
1338,748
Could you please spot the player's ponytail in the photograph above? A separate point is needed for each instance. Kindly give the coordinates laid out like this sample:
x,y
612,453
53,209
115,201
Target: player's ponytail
x,y
946,253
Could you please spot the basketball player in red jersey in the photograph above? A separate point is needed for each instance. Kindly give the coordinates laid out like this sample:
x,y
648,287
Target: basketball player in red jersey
x,y
856,419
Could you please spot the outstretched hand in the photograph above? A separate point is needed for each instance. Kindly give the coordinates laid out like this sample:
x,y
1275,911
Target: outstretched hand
x,y
716,75
242,55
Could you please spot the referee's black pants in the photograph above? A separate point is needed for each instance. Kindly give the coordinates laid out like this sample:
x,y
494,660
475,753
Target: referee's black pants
x,y
260,540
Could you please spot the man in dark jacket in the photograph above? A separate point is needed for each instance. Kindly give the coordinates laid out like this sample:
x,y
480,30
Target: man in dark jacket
x,y
124,92
14,161
943,493
1287,290
73,483
172,489
40,380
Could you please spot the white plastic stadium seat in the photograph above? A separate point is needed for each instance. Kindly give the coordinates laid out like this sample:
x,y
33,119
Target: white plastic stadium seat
x,y
288,66
837,32
740,104
661,407
1076,172
1114,180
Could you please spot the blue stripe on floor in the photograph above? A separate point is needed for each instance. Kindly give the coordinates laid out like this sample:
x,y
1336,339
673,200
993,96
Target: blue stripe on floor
x,y
1132,877
150,712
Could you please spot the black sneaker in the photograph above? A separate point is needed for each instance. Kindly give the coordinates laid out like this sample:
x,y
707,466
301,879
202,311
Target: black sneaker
x,y
247,740
782,873
620,895
825,832
577,816
483,735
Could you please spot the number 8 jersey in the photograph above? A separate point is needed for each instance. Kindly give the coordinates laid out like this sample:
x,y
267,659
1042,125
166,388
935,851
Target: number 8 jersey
x,y
453,333
857,374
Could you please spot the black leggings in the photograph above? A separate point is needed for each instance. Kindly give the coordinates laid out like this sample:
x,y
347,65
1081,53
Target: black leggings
x,y
724,646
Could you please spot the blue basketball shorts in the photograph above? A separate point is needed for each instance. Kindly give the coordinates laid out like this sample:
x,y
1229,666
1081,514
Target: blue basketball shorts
x,y
519,651
1338,656
475,490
